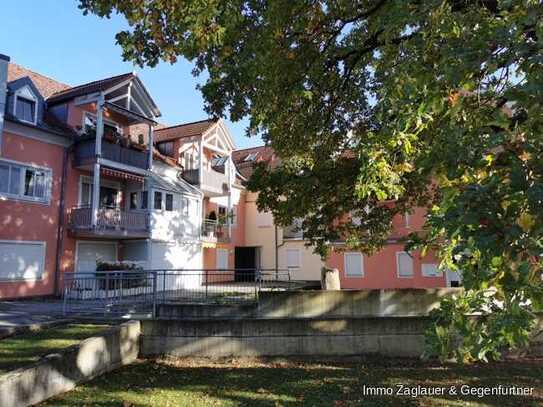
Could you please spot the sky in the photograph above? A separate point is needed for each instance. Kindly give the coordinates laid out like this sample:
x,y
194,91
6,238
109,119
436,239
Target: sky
x,y
54,38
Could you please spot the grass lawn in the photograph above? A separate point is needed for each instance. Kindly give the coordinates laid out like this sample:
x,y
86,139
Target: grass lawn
x,y
20,350
196,382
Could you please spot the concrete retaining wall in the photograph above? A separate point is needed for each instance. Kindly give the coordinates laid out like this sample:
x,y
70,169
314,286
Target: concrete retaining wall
x,y
61,372
355,303
318,304
393,336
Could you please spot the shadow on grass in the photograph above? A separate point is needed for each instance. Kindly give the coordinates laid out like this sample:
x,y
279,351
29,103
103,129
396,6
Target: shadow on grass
x,y
291,382
20,350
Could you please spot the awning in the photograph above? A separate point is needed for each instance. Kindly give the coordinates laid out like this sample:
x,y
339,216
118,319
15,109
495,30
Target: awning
x,y
122,175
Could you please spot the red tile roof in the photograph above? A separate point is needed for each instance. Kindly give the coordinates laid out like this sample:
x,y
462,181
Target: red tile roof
x,y
262,154
45,85
183,130
90,87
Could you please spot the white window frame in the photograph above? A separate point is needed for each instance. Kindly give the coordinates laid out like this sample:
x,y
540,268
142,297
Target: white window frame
x,y
218,266
185,206
398,254
425,266
28,96
44,258
298,264
164,200
362,271
46,199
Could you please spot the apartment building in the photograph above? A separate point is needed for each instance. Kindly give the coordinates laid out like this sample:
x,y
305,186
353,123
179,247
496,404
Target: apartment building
x,y
80,182
88,174
286,248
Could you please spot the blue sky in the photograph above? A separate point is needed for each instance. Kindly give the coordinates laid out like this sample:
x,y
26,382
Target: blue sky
x,y
53,37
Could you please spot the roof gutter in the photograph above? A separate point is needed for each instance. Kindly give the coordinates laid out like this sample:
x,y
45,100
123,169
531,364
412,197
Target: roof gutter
x,y
4,62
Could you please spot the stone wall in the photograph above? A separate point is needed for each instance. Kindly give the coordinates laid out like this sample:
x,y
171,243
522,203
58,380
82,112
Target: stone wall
x,y
57,373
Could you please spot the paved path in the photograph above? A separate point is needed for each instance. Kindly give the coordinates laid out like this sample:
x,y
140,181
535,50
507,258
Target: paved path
x,y
23,313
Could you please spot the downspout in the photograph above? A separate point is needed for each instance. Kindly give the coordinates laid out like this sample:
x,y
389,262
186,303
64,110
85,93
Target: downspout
x,y
4,62
61,219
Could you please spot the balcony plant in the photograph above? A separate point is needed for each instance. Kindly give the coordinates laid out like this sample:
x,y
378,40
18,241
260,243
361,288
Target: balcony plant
x,y
109,275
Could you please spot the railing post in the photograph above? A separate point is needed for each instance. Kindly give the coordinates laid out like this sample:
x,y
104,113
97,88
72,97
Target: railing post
x,y
107,292
205,274
154,293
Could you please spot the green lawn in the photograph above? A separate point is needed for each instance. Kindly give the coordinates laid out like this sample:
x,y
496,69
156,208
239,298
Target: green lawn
x,y
20,350
186,382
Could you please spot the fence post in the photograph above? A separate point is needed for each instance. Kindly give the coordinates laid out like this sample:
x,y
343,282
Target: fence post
x,y
163,285
205,273
65,290
154,293
106,293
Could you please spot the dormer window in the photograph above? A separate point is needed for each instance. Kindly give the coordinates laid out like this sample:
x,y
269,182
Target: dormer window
x,y
25,108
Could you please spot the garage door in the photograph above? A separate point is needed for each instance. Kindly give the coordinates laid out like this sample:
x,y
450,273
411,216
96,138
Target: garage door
x,y
178,256
88,253
21,260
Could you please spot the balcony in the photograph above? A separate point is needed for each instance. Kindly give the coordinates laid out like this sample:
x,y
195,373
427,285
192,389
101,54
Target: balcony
x,y
84,154
212,232
214,183
293,231
111,223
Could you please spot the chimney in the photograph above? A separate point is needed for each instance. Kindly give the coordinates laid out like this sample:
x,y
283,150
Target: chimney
x,y
4,62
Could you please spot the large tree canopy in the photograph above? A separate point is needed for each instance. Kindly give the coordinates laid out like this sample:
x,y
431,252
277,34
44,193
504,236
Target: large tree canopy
x,y
435,103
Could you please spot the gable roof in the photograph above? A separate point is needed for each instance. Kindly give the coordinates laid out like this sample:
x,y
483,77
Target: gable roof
x,y
90,87
183,130
45,85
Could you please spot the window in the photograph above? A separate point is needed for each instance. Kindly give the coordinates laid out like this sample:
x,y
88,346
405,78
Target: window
x,y
185,206
218,161
293,258
404,264
21,260
25,109
407,218
169,202
430,270
158,200
354,265
144,199
19,181
222,259
133,200
251,157
141,139
188,159
264,219
166,148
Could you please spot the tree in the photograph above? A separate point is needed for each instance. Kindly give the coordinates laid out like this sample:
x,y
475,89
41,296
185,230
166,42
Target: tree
x,y
433,103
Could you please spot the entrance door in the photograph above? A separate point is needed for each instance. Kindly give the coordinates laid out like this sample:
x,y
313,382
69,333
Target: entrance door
x,y
245,263
89,252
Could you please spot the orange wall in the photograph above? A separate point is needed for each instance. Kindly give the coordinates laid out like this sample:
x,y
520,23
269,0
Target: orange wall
x,y
22,220
380,269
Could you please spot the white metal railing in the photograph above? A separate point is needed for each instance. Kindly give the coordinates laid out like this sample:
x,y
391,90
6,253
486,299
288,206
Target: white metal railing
x,y
213,231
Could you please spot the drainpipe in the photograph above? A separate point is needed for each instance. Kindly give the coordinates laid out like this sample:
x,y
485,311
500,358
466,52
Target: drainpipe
x,y
4,62
61,219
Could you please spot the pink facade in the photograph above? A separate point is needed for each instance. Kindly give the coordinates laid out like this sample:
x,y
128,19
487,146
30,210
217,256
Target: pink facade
x,y
21,220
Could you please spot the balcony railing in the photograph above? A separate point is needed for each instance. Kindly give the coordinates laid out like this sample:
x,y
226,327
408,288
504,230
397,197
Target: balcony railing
x,y
213,232
212,181
85,153
109,220
293,232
